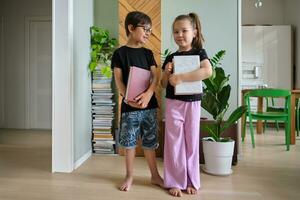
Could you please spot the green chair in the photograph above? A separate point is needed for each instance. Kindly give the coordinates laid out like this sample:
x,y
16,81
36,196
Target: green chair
x,y
269,115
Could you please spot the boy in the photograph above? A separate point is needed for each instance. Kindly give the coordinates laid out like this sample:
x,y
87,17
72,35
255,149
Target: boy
x,y
138,117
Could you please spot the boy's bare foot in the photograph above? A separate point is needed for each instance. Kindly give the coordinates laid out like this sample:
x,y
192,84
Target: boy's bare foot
x,y
158,181
175,192
191,190
125,186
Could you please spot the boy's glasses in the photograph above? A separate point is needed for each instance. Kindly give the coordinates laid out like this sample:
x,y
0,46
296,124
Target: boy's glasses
x,y
146,30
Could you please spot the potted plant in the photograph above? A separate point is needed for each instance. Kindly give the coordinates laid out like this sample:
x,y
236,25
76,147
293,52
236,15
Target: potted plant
x,y
218,150
102,48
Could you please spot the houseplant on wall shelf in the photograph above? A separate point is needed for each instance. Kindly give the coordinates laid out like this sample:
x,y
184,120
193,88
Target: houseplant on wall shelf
x,y
102,48
215,101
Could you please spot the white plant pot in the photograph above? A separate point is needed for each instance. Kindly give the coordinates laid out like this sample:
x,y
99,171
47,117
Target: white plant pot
x,y
218,157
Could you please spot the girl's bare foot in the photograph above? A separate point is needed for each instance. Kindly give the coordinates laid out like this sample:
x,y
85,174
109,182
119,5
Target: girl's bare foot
x,y
158,181
125,186
191,190
175,192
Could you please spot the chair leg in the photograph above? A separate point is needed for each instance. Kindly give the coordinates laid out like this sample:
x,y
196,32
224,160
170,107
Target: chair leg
x,y
297,122
277,125
298,116
244,127
265,126
252,132
287,135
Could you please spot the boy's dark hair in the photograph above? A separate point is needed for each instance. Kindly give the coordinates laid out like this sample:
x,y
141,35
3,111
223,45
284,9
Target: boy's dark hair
x,y
195,21
136,18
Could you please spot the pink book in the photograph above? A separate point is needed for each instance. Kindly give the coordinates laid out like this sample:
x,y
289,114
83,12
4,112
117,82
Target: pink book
x,y
138,82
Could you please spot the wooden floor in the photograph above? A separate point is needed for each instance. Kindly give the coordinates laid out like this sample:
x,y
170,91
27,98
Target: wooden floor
x,y
266,172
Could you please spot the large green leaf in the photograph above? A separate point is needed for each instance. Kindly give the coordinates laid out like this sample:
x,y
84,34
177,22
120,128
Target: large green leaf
x,y
210,129
236,114
215,61
223,97
220,79
209,83
210,104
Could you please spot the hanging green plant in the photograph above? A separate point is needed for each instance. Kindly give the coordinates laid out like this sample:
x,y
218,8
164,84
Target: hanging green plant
x,y
102,48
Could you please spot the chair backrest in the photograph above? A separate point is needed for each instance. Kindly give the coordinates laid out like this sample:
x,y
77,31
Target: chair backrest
x,y
269,92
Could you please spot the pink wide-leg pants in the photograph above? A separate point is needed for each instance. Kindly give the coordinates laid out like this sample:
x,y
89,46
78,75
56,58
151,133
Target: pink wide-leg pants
x,y
181,148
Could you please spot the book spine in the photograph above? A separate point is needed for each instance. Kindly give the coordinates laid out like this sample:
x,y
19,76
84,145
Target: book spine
x,y
128,83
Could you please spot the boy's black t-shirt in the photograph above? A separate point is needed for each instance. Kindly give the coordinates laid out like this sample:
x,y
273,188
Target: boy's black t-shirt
x,y
123,58
170,90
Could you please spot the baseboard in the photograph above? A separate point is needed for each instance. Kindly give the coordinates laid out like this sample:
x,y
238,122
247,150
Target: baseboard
x,y
81,160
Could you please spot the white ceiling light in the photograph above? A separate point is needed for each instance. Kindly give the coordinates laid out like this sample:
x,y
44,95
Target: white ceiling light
x,y
258,3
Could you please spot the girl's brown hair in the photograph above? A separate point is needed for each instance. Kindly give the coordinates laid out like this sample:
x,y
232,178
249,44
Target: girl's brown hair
x,y
195,21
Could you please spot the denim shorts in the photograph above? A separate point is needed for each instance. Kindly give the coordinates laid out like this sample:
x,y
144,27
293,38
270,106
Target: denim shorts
x,y
139,124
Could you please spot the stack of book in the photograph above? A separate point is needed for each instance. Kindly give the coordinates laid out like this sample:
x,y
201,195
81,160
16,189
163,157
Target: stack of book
x,y
102,114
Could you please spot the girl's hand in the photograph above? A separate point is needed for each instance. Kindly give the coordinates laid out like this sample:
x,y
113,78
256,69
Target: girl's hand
x,y
175,79
169,68
143,99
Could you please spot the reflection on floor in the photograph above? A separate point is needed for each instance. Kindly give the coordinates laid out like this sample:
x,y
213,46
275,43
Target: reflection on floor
x,y
266,172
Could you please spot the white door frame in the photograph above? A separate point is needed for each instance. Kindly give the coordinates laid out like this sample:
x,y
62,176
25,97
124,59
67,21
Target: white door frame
x,y
2,82
239,71
28,20
62,86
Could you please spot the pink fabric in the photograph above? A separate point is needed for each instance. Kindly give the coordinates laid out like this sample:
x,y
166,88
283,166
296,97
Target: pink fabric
x,y
181,150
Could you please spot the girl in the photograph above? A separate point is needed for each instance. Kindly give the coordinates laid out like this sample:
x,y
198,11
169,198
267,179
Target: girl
x,y
181,150
138,118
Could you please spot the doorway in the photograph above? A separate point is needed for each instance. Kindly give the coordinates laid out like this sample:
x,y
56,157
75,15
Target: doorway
x,y
38,62
25,82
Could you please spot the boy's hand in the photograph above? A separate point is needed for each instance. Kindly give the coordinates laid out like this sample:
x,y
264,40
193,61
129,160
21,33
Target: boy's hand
x,y
175,79
143,99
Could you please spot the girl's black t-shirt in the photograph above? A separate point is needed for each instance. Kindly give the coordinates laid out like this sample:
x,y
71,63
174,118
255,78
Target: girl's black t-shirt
x,y
170,90
123,58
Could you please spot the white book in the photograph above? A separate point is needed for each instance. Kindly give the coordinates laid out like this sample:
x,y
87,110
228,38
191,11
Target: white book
x,y
184,64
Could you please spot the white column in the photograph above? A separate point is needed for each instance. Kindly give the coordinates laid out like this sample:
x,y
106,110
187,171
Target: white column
x,y
62,102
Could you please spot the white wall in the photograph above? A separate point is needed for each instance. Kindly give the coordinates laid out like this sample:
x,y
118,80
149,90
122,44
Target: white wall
x,y
104,11
219,21
292,16
271,12
14,12
83,20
